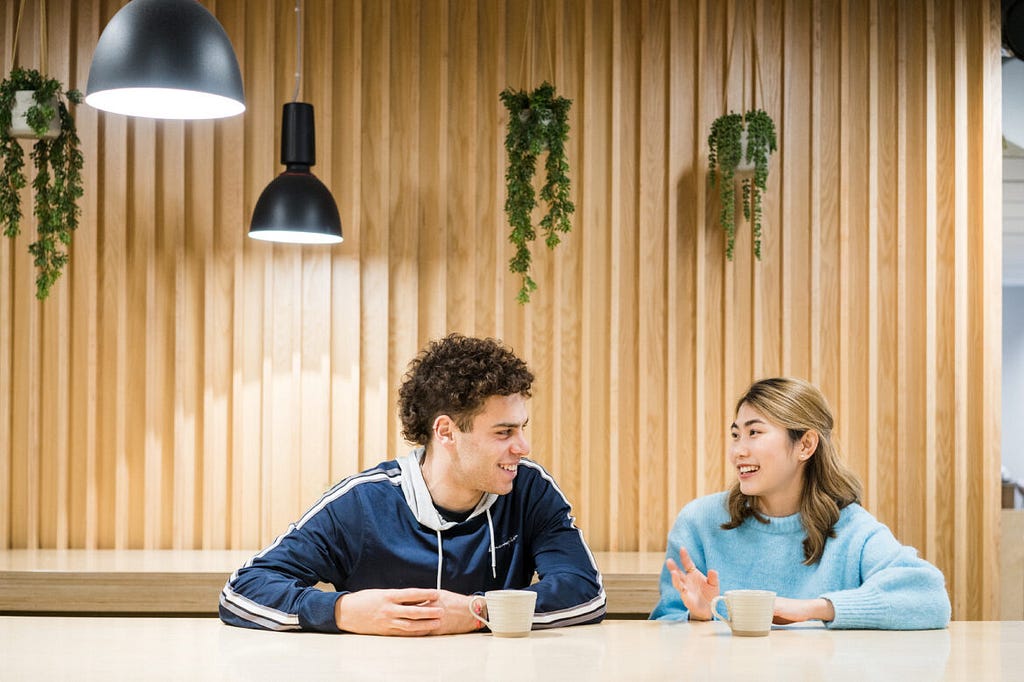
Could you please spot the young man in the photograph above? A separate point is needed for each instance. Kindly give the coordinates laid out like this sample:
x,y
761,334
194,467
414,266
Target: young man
x,y
407,543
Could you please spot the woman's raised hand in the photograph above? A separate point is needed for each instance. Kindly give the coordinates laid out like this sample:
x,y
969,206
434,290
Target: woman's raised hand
x,y
695,589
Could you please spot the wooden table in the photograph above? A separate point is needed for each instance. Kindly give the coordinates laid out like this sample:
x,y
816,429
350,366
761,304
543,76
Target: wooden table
x,y
116,648
189,581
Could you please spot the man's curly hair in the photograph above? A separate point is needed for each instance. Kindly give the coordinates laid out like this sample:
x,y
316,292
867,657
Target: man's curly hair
x,y
455,375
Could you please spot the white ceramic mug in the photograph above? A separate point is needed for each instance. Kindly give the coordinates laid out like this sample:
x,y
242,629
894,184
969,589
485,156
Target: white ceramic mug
x,y
748,613
509,612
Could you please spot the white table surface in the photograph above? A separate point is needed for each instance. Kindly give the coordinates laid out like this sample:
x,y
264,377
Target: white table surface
x,y
116,648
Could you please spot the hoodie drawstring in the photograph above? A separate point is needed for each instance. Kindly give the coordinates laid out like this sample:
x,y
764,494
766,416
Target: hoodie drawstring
x,y
438,559
494,563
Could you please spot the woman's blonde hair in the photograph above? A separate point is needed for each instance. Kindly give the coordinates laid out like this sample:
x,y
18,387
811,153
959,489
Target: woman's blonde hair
x,y
829,485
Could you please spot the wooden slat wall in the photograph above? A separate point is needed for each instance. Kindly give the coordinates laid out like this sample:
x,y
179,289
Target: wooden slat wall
x,y
187,387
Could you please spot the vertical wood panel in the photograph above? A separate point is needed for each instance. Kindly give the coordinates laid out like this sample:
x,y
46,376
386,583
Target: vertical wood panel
x,y
624,315
593,216
930,283
112,228
855,209
28,348
346,415
433,192
489,55
83,278
948,120
315,390
7,254
157,446
176,497
263,113
956,565
767,313
797,172
459,228
230,218
985,266
374,201
889,345
566,410
652,283
515,17
404,201
683,190
828,165
711,316
914,257
53,494
143,454
869,461
187,387
539,326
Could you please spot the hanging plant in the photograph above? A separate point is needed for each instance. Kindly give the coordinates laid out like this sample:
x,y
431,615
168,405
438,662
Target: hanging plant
x,y
58,180
537,121
735,141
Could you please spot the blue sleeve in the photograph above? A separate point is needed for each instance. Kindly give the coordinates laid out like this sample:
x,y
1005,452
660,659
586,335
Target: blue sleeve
x,y
276,589
900,591
670,605
569,590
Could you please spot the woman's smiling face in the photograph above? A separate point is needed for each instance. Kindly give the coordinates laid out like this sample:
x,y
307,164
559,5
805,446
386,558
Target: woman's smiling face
x,y
768,464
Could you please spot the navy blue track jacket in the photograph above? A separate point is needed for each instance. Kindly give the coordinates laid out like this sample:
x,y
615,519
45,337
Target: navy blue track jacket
x,y
379,529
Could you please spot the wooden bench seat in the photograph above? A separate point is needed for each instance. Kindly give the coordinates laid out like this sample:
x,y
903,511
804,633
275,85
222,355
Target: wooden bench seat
x,y
189,581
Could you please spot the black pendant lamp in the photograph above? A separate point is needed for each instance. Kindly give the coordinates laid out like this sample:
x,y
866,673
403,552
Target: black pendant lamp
x,y
165,59
296,207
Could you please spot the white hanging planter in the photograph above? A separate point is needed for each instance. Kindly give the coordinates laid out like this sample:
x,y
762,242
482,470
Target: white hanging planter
x,y
23,99
744,165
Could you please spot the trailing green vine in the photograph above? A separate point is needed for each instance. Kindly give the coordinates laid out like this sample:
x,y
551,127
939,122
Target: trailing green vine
x,y
724,156
537,121
58,181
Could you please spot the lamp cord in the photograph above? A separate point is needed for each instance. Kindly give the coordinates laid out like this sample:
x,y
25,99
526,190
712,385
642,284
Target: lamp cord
x,y
757,86
548,38
43,48
524,73
17,29
728,61
526,68
758,103
298,48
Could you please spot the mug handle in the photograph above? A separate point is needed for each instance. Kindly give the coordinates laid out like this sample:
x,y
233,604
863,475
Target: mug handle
x,y
714,610
476,615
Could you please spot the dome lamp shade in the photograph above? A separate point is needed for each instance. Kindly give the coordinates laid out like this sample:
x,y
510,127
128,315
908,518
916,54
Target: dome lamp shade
x,y
165,59
296,207
1013,26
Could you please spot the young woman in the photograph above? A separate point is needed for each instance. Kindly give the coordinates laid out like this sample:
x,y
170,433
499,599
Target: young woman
x,y
792,523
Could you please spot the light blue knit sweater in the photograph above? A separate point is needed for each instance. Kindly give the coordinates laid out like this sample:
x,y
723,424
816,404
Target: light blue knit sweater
x,y
872,580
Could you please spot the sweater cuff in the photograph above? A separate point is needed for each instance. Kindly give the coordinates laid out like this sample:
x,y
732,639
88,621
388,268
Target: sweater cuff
x,y
673,617
317,610
858,609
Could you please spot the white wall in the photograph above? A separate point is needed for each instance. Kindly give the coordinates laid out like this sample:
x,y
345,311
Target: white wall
x,y
1013,217
1013,310
1013,380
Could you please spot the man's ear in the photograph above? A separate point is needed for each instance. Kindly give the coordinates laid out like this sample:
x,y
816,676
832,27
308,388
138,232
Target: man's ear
x,y
808,444
444,430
